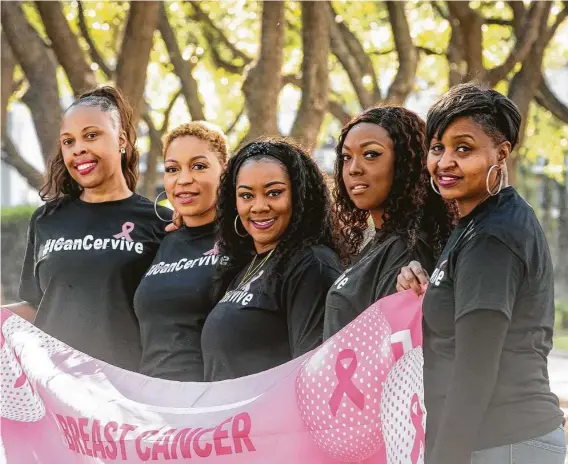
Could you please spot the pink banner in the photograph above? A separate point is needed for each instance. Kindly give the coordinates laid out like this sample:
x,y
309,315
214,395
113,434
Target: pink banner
x,y
357,398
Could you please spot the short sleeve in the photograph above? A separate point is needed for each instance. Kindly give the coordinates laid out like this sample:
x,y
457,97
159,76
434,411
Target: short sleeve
x,y
400,255
488,275
304,293
30,290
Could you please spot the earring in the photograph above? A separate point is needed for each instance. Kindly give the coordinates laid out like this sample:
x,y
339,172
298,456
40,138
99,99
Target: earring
x,y
156,208
236,228
122,151
433,185
500,180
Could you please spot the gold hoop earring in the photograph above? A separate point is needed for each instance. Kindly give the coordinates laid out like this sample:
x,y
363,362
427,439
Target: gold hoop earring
x,y
236,228
500,180
156,208
433,185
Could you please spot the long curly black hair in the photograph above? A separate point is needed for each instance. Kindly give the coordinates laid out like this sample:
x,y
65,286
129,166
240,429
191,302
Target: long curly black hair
x,y
311,221
412,206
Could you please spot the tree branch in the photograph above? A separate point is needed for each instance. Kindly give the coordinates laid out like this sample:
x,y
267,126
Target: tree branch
x,y
66,47
263,82
168,111
530,30
407,54
546,98
498,22
351,65
232,126
132,63
96,57
559,19
438,9
338,111
154,153
7,86
39,66
12,157
469,22
182,68
201,16
315,73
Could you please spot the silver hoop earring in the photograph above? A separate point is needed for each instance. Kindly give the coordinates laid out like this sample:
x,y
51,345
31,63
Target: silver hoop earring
x,y
156,208
500,180
433,185
237,229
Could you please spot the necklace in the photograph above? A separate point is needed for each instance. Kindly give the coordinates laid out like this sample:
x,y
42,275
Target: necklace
x,y
251,271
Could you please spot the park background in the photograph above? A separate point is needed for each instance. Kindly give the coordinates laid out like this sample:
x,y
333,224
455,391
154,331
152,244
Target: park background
x,y
280,68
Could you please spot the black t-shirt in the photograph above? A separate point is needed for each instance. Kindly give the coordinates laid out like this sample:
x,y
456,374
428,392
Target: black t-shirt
x,y
82,266
172,302
260,325
370,278
496,259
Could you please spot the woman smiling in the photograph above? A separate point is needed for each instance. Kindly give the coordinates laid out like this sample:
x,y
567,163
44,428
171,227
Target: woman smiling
x,y
275,227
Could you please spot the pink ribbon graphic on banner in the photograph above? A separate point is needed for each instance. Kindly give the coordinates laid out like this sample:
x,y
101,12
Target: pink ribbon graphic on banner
x,y
416,415
127,227
345,385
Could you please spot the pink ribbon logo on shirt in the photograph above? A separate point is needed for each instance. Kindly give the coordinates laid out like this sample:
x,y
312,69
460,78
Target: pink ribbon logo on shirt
x,y
345,385
127,227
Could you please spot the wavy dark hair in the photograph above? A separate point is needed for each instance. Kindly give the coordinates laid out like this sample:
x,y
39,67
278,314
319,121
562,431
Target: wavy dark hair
x,y
59,185
311,221
412,206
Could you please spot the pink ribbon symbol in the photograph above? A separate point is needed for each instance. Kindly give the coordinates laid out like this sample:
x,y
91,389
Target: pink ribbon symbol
x,y
345,385
416,415
127,227
22,379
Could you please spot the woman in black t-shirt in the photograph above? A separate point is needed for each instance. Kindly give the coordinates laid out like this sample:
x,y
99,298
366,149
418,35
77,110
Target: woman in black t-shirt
x,y
175,295
489,306
380,174
274,225
90,244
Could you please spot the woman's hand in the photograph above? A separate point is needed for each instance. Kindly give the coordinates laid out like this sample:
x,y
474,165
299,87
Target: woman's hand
x,y
177,222
412,277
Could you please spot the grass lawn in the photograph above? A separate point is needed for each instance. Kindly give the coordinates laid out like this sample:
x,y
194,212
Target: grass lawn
x,y
561,340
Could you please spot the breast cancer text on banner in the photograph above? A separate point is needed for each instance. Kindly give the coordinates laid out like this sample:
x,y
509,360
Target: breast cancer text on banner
x,y
357,398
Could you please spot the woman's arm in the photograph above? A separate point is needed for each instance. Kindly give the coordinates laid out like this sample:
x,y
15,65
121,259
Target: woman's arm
x,y
480,336
23,309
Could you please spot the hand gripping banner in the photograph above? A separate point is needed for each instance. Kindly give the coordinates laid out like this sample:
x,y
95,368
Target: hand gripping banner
x,y
358,398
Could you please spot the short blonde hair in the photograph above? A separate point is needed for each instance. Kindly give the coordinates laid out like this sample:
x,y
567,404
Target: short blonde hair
x,y
202,130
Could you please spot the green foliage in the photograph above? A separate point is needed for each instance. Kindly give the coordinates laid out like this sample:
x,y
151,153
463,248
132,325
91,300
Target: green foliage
x,y
239,22
16,214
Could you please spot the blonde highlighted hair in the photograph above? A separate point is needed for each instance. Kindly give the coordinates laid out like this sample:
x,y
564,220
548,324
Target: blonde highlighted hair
x,y
205,131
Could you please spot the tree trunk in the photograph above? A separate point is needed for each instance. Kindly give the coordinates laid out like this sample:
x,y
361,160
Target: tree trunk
x,y
526,82
134,55
546,205
349,61
182,68
527,36
12,157
264,78
562,265
66,47
315,73
470,23
152,157
8,63
36,60
407,55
